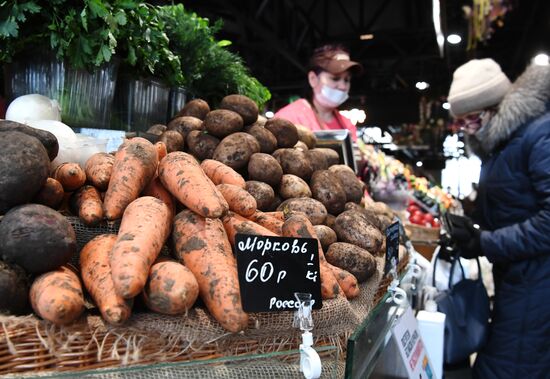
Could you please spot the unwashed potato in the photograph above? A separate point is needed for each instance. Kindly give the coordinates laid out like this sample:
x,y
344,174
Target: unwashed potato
x,y
173,140
326,236
306,135
371,216
236,149
243,105
331,155
353,187
264,168
354,259
317,159
156,129
326,188
352,227
300,145
295,162
266,139
184,124
195,108
314,209
262,192
222,122
293,186
201,145
329,221
284,131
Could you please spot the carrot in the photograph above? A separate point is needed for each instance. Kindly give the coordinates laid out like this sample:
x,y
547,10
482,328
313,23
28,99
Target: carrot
x,y
96,275
144,228
268,221
171,288
51,194
239,200
134,166
346,280
298,225
277,214
56,296
86,201
202,245
156,189
98,169
220,173
161,150
70,175
234,223
182,176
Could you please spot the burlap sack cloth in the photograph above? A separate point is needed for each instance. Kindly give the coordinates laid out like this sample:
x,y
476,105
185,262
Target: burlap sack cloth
x,y
177,346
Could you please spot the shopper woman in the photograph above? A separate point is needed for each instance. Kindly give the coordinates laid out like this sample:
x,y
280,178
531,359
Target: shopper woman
x,y
508,127
329,77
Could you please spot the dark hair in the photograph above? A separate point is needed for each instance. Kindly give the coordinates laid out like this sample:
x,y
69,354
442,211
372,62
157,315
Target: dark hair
x,y
322,52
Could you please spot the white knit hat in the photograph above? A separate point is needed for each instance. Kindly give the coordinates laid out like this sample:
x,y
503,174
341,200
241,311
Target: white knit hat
x,y
477,85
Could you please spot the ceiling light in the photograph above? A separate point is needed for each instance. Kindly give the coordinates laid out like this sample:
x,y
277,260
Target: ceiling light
x,y
365,37
422,85
454,39
269,114
446,105
541,59
419,164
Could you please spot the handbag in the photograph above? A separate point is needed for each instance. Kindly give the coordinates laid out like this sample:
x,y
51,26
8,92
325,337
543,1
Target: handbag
x,y
466,306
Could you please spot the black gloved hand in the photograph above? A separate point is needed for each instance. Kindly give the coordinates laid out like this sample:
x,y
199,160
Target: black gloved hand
x,y
465,235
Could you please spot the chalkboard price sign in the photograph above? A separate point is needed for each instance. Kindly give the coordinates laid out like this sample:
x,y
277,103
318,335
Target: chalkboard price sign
x,y
272,269
392,246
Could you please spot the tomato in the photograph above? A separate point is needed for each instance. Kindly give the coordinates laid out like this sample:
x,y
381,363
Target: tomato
x,y
412,208
428,218
417,218
436,223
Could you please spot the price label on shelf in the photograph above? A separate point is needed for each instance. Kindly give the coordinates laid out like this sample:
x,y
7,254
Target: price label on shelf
x,y
272,269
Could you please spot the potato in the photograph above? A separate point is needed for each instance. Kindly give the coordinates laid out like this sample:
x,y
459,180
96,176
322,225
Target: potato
x,y
367,213
353,187
266,139
314,210
195,108
330,221
331,155
264,168
173,140
184,124
284,131
276,202
262,192
243,105
236,149
352,227
317,159
301,146
306,135
326,236
201,145
295,162
354,259
157,129
222,122
292,186
328,190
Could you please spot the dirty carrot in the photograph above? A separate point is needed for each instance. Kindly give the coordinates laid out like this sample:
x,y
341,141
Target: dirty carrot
x,y
156,189
234,223
346,280
98,169
57,296
144,228
268,221
221,173
134,166
51,194
96,275
171,288
182,176
202,245
239,200
86,201
70,175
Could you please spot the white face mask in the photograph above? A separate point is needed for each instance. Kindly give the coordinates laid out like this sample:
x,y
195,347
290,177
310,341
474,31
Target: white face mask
x,y
331,97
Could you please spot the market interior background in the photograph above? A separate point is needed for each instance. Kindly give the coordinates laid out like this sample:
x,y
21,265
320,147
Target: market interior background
x,y
408,59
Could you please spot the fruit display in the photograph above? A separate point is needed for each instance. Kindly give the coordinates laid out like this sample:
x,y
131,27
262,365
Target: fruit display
x,y
179,200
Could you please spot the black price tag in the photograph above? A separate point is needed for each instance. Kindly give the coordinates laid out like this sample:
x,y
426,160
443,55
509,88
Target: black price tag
x,y
392,246
272,269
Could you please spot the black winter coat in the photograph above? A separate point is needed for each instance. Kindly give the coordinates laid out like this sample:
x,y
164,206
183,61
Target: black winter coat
x,y
514,207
